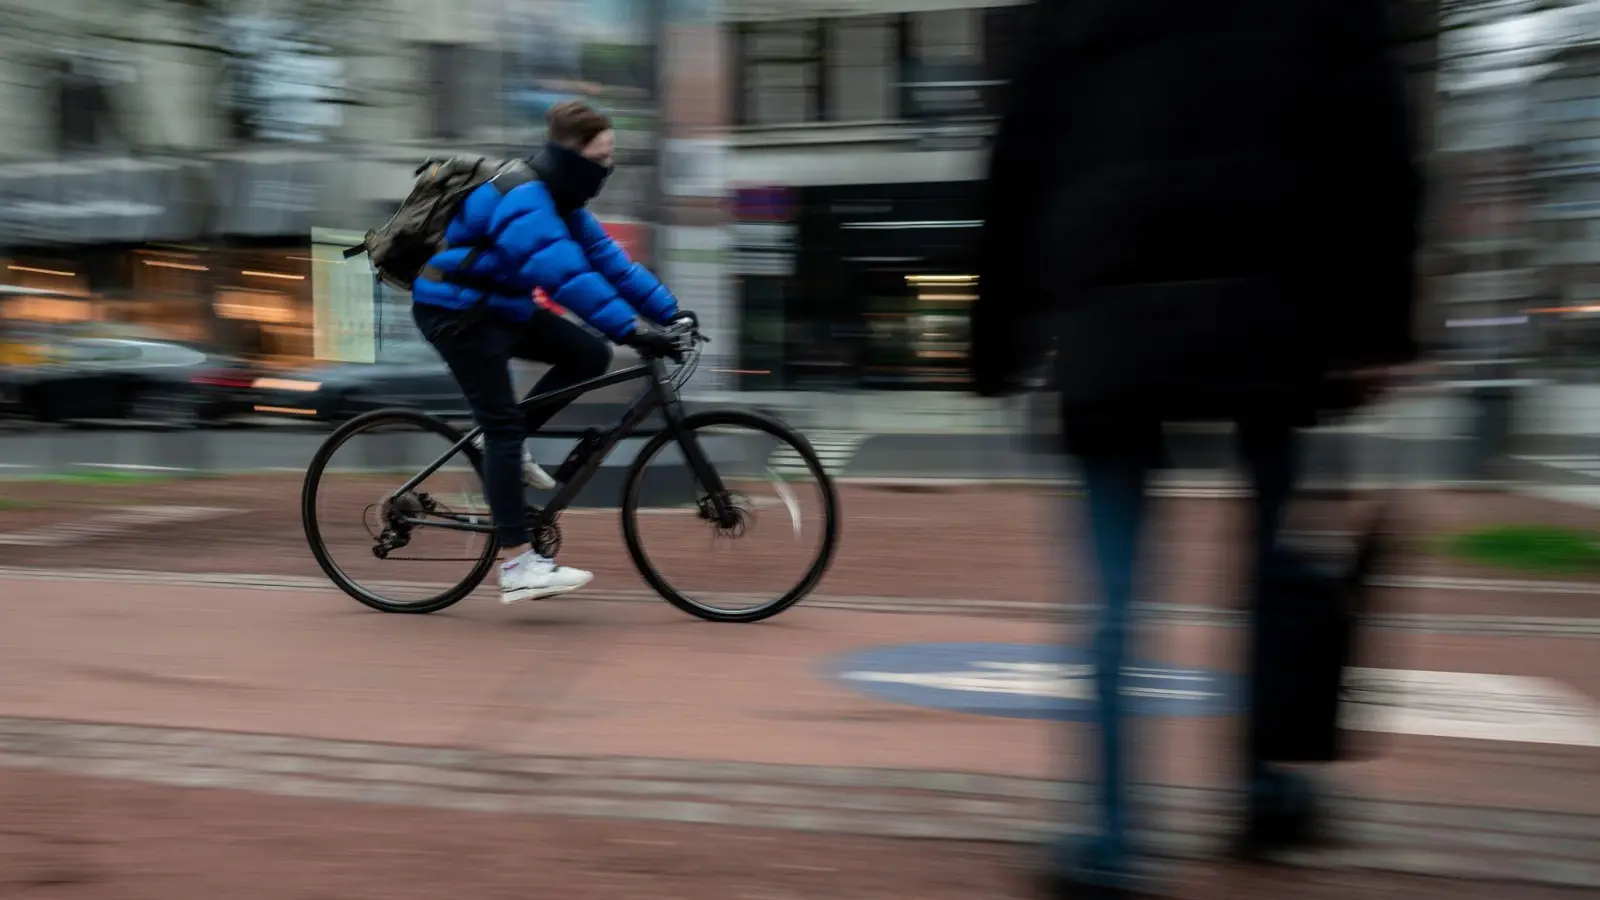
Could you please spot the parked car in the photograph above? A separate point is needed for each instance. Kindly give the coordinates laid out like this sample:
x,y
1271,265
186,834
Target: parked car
x,y
412,377
75,376
334,392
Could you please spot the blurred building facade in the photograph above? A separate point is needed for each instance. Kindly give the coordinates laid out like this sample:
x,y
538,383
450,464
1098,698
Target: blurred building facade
x,y
858,143
1566,170
166,161
1518,150
859,138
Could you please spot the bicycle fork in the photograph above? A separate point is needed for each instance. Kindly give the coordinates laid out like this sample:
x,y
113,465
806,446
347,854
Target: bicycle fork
x,y
716,505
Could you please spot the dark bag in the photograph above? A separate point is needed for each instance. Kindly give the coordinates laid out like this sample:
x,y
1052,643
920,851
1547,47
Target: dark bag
x,y
402,246
1310,622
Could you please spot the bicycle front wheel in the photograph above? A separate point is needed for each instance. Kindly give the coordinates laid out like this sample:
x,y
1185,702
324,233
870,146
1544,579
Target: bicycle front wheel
x,y
772,553
355,528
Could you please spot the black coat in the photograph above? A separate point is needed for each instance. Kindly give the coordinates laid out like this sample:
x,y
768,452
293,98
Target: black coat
x,y
1205,205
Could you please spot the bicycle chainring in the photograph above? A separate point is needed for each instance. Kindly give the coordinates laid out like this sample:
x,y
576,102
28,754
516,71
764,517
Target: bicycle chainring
x,y
547,540
546,533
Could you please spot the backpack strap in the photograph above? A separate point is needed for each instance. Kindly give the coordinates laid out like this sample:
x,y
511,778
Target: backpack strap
x,y
515,174
512,176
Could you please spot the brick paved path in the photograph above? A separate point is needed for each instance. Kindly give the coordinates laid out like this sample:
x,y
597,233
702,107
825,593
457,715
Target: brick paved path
x,y
73,838
540,689
940,545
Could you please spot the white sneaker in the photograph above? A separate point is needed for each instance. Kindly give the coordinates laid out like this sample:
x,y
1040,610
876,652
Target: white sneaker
x,y
532,577
533,475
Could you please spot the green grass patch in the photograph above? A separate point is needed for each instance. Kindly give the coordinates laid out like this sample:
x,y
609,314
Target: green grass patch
x,y
109,477
1529,548
9,504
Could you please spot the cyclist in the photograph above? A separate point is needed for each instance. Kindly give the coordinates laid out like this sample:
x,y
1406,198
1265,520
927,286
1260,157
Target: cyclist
x,y
505,245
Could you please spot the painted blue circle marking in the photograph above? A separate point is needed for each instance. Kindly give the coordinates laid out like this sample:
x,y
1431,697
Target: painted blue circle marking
x,y
1027,681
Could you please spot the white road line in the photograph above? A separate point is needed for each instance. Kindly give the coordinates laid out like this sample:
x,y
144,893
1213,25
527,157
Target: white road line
x,y
834,450
303,582
1585,464
1516,586
1472,706
132,467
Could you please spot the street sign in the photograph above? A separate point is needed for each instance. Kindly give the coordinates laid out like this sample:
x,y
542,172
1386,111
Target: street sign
x,y
1030,681
765,204
344,299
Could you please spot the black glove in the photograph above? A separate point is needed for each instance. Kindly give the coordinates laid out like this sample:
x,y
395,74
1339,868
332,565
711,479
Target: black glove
x,y
653,344
683,315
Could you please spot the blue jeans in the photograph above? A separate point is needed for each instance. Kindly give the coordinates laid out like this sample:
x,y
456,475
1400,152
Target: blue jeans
x,y
1116,509
479,349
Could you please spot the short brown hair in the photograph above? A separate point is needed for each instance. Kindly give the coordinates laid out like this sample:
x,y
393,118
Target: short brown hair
x,y
575,123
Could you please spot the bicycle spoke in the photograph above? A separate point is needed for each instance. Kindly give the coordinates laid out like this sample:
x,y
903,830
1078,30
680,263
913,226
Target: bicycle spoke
x,y
405,551
748,565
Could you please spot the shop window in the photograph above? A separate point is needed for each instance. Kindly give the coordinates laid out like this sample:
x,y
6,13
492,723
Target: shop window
x,y
50,276
763,324
266,307
861,55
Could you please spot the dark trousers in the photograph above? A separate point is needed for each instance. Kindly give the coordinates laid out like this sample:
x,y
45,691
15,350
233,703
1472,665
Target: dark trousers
x,y
479,349
1115,480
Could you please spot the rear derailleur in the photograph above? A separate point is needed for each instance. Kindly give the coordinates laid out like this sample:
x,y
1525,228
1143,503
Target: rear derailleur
x,y
395,512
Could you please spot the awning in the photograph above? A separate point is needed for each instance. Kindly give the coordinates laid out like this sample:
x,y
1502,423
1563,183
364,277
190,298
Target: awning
x,y
114,200
788,10
274,194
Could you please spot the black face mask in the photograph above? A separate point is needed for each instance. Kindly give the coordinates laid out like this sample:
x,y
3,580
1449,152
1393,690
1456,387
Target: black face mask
x,y
572,178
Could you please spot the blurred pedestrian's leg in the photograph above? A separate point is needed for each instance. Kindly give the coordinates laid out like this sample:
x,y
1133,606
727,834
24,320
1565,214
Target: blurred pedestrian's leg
x,y
1280,800
1116,513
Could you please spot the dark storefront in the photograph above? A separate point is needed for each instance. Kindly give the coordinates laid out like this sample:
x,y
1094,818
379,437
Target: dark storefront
x,y
863,286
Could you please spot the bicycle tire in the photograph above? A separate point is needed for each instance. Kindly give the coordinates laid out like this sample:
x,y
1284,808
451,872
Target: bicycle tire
x,y
756,421
313,532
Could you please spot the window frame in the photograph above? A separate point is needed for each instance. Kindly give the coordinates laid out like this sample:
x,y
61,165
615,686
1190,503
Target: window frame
x,y
747,60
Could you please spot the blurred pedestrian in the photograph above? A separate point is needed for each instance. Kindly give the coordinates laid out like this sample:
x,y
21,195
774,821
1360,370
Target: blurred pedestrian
x,y
1203,209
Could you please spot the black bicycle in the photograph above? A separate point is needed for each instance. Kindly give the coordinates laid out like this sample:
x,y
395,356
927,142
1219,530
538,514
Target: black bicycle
x,y
704,475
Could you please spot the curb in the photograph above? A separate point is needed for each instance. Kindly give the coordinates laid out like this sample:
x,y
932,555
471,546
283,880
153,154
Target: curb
x,y
1417,838
1220,488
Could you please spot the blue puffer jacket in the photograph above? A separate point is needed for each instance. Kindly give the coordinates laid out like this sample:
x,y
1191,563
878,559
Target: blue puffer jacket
x,y
528,244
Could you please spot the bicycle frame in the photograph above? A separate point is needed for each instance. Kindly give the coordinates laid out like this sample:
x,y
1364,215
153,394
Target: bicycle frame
x,y
661,395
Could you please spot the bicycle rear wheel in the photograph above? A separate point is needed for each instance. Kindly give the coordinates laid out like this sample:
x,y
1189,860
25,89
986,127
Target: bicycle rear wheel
x,y
345,510
770,557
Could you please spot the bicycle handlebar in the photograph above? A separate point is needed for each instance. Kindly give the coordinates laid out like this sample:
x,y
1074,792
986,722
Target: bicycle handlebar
x,y
686,338
686,334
